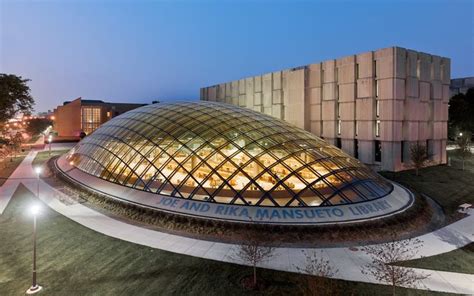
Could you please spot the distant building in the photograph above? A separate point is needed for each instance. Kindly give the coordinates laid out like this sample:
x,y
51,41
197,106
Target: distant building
x,y
86,116
373,105
461,85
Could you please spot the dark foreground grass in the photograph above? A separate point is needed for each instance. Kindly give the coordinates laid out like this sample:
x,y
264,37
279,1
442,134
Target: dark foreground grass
x,y
460,260
8,166
74,260
449,186
43,156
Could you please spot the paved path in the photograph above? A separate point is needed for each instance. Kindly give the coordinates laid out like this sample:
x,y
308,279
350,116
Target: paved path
x,y
346,261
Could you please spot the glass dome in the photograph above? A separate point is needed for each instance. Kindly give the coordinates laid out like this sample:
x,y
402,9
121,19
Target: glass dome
x,y
221,153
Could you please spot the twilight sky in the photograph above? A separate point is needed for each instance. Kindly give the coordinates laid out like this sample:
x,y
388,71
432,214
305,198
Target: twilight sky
x,y
138,51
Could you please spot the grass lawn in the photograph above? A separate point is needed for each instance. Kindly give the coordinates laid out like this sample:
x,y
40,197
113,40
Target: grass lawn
x,y
7,167
43,156
460,260
74,260
448,185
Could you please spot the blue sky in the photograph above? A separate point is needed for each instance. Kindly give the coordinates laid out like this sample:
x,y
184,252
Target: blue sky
x,y
139,51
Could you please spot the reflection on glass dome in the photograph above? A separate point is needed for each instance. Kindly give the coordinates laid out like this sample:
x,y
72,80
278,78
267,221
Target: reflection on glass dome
x,y
222,153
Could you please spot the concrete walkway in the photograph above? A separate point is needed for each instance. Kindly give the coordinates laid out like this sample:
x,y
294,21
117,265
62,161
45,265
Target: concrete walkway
x,y
348,262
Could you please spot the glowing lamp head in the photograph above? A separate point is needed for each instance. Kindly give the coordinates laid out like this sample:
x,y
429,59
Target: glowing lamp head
x,y
35,209
38,170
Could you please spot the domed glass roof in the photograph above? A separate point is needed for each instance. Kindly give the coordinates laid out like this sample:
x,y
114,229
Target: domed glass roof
x,y
222,153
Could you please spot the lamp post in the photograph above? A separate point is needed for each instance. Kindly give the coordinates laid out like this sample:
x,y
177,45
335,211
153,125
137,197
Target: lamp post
x,y
38,172
50,139
35,288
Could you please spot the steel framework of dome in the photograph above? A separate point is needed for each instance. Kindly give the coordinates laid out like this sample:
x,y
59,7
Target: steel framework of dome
x,y
222,153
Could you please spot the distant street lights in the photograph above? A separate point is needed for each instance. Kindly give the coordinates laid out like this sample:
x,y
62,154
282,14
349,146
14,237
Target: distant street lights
x,y
38,173
35,288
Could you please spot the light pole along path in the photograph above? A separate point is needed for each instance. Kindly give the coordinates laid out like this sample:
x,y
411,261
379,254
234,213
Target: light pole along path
x,y
348,262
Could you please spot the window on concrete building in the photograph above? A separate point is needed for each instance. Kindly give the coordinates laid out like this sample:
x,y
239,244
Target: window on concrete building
x,y
356,148
377,128
402,151
338,143
357,74
378,151
375,68
376,88
377,108
356,124
429,149
339,127
337,91
338,110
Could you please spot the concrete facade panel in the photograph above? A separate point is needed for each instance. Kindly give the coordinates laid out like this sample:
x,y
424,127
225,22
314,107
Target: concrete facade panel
x,y
347,92
329,71
412,90
329,91
365,88
384,63
365,109
242,100
277,80
277,97
314,75
400,69
425,91
365,65
436,90
328,110
314,95
258,83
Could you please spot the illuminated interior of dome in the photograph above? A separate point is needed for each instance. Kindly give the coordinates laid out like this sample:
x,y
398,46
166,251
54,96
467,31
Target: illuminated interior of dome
x,y
226,154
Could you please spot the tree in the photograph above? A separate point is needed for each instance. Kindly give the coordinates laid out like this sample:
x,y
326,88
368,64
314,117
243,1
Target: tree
x,y
37,125
16,142
14,96
461,108
464,144
385,256
319,271
253,251
419,156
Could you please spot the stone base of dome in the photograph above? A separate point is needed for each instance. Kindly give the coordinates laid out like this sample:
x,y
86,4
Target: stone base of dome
x,y
399,200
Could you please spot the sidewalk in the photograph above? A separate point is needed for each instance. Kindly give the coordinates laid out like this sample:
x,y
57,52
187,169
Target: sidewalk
x,y
348,262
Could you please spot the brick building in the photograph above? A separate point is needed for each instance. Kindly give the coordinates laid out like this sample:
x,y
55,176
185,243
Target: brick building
x,y
80,115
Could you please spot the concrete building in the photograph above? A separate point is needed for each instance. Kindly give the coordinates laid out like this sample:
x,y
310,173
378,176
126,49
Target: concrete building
x,y
80,115
373,105
461,85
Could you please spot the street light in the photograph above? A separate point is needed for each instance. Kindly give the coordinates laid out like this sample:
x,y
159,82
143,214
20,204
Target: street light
x,y
38,170
460,134
50,139
35,288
